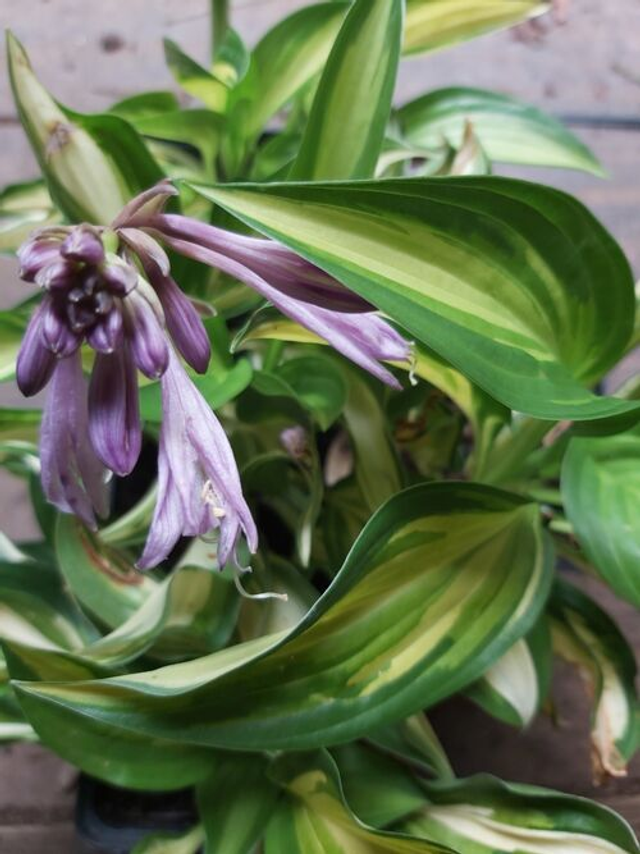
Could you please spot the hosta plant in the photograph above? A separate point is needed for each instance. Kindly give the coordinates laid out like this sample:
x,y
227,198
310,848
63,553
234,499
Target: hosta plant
x,y
322,442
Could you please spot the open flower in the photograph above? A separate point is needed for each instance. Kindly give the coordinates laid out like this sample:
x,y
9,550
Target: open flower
x,y
199,487
299,289
111,288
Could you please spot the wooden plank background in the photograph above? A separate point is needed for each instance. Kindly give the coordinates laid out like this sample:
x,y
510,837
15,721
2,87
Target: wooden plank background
x,y
586,71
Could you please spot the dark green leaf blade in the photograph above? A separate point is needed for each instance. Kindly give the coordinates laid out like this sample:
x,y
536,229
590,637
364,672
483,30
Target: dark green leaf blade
x,y
600,482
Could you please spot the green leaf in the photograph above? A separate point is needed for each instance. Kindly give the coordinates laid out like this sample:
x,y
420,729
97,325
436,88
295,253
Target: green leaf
x,y
189,842
502,278
457,573
145,105
196,80
291,484
24,207
350,111
198,128
378,789
587,637
93,164
377,468
101,579
192,612
316,818
232,58
414,741
508,130
483,815
235,803
486,415
434,24
35,608
19,424
285,59
124,759
318,385
514,688
217,387
600,483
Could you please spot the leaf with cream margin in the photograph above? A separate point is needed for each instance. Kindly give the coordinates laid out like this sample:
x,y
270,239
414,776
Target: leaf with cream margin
x,y
600,488
350,112
283,62
93,164
196,80
483,815
508,130
295,51
501,278
192,612
515,687
316,818
36,609
443,579
235,802
434,24
587,637
23,207
101,578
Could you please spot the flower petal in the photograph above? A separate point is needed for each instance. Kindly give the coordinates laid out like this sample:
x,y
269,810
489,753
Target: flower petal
x,y
60,274
146,336
365,339
114,417
106,335
56,334
168,523
35,362
183,322
199,484
143,244
121,278
145,204
83,244
36,253
73,479
281,267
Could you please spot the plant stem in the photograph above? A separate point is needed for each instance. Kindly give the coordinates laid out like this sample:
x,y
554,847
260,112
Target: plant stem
x,y
219,24
273,354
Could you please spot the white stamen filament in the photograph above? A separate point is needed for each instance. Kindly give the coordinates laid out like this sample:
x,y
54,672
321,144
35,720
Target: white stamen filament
x,y
256,596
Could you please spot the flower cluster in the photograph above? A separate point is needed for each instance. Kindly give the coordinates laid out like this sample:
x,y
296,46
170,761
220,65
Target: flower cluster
x,y
111,288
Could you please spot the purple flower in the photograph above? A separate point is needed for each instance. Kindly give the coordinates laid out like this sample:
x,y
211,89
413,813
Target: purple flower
x,y
111,289
198,482
73,477
299,289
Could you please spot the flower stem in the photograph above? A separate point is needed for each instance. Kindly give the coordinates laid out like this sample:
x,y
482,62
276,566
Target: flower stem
x,y
219,24
273,354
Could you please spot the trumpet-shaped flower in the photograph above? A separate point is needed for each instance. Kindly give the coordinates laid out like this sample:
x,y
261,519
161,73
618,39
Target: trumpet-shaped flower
x,y
199,488
111,289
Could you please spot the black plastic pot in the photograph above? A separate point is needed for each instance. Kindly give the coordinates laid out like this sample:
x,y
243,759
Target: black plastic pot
x,y
111,820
